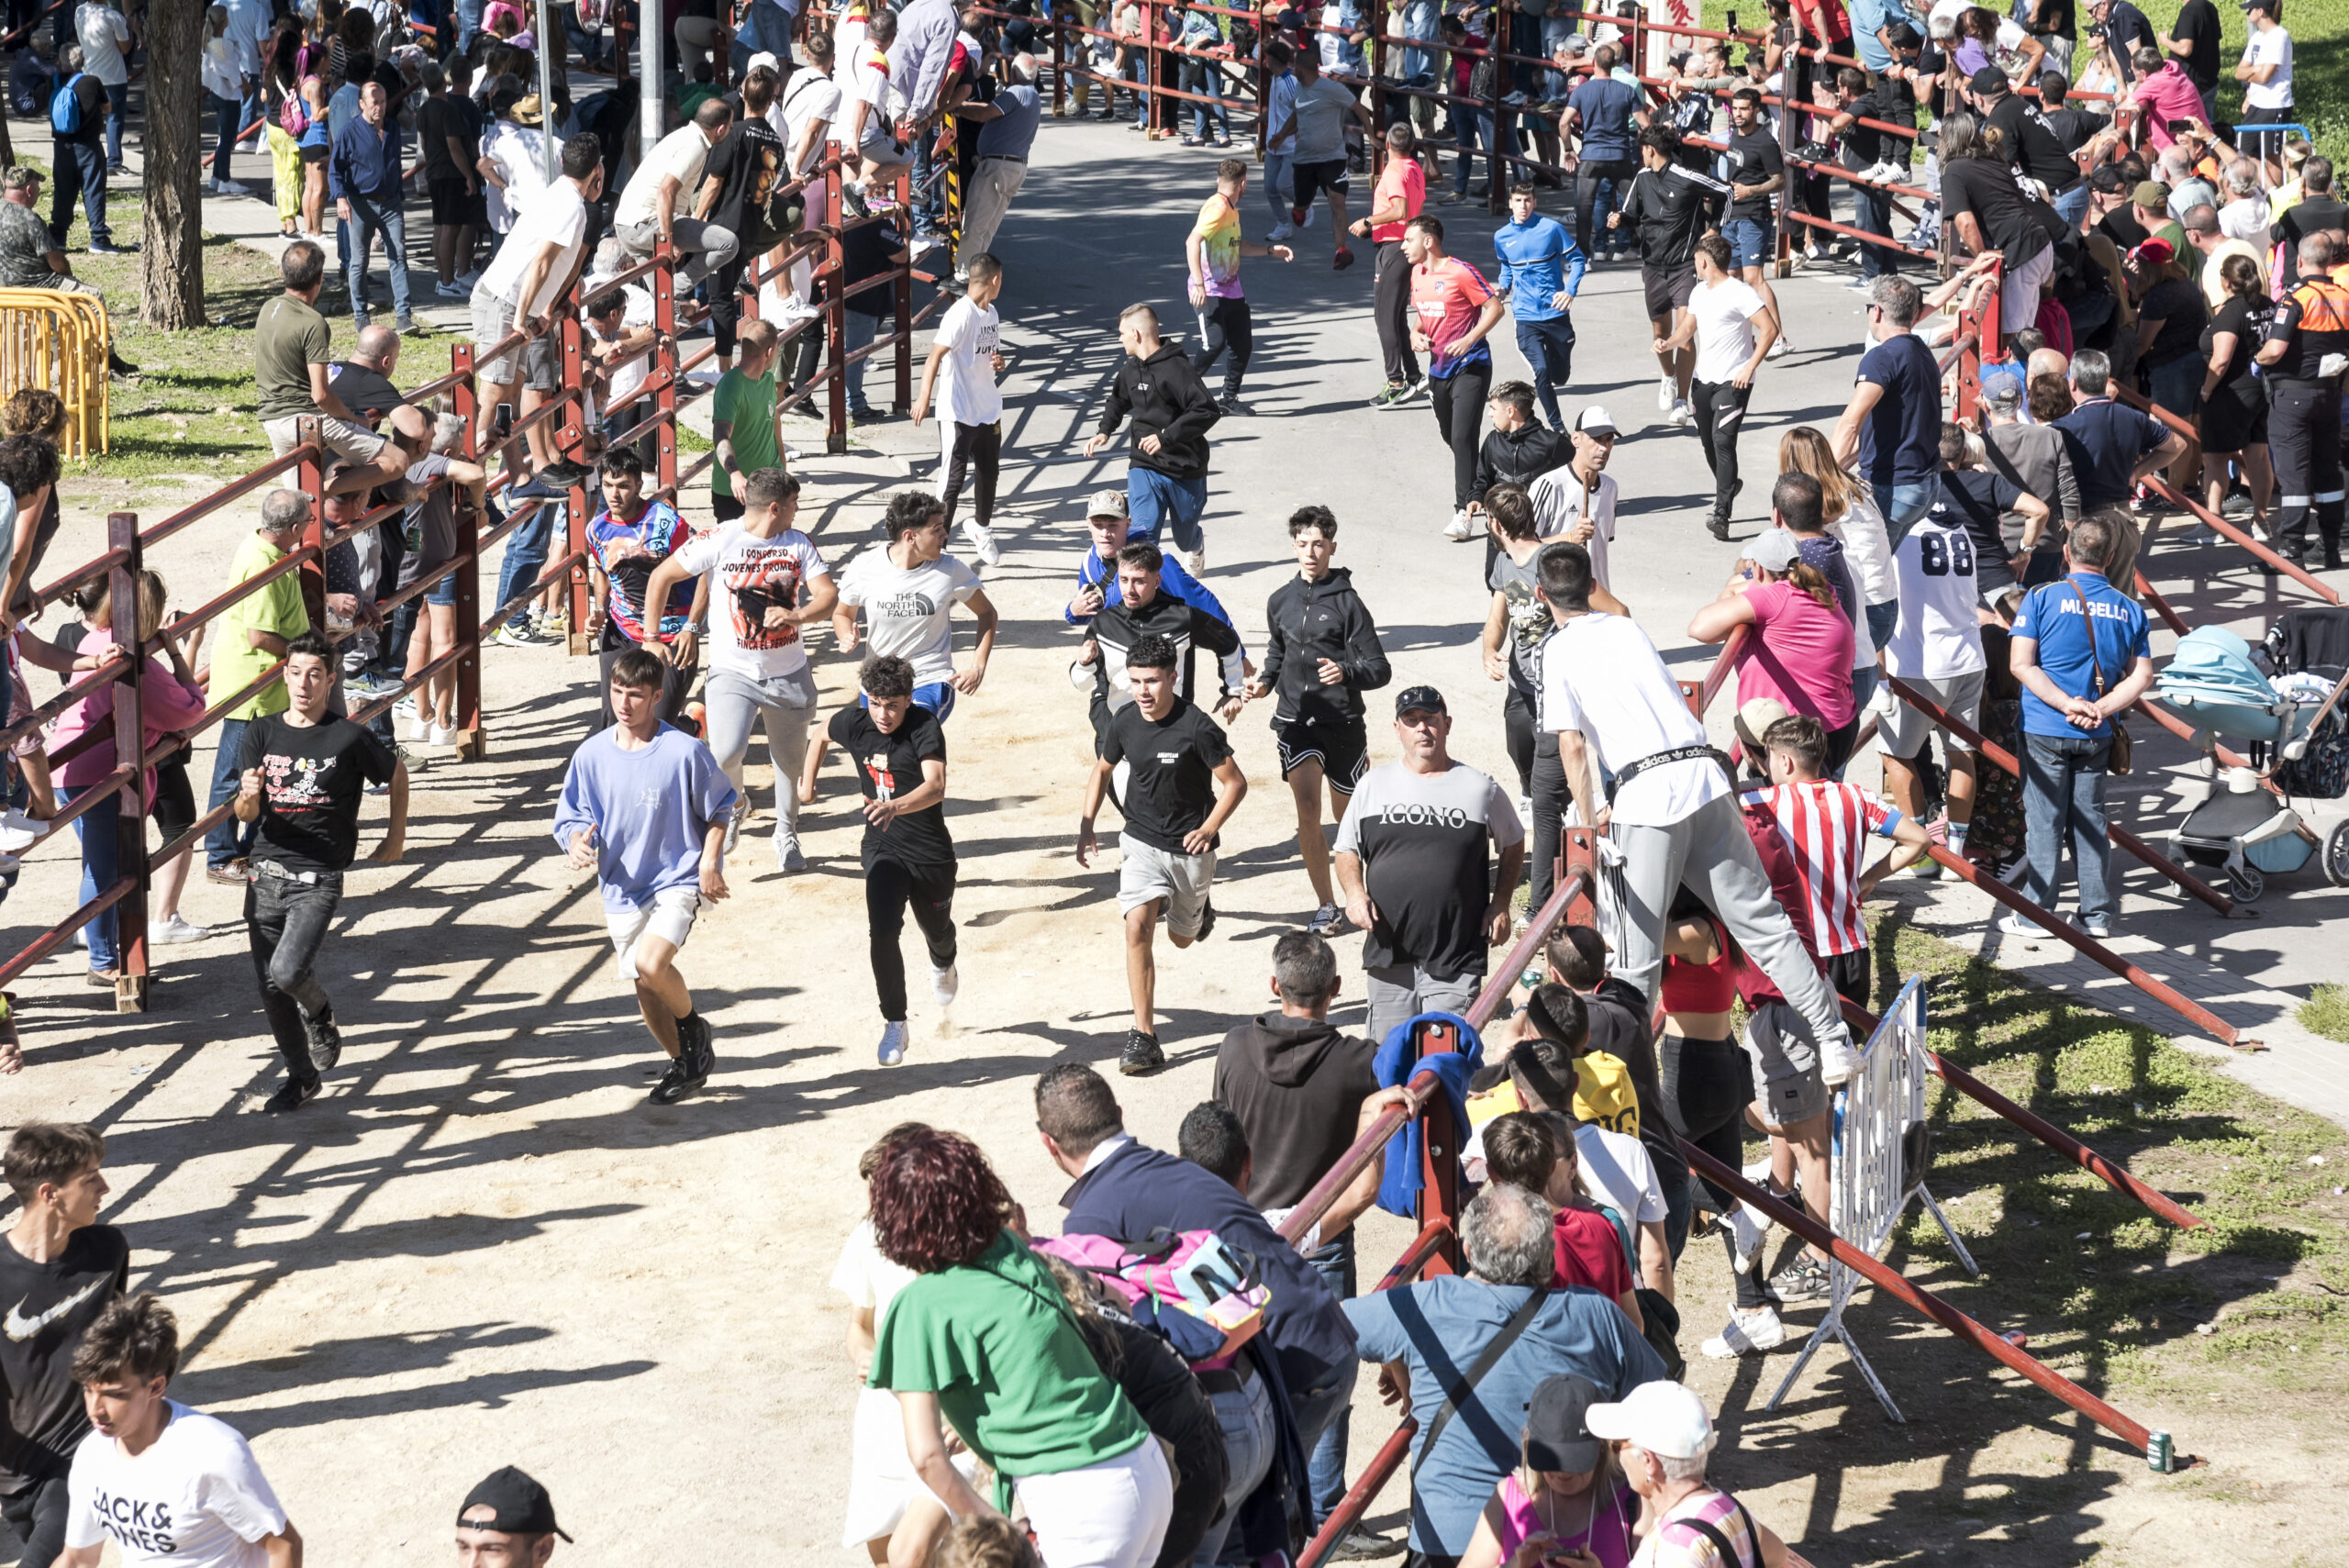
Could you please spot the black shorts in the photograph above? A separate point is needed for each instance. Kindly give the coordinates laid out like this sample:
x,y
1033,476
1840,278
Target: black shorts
x,y
724,508
454,207
1850,975
2235,417
315,154
1341,749
1667,292
1312,177
174,797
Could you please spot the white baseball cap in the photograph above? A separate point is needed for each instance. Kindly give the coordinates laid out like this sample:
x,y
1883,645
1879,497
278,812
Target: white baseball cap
x,y
1662,1418
1596,421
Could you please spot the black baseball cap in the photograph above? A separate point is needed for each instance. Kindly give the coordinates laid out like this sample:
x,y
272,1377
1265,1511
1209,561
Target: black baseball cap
x,y
1989,81
523,1507
1555,1436
1426,698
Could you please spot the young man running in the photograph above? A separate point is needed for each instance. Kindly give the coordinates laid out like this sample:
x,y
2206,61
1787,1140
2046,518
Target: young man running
x,y
770,581
1176,756
899,753
1142,613
1454,311
1401,192
59,1271
1576,501
166,1484
1321,652
1313,137
1096,574
1730,326
907,589
1540,272
970,425
1166,481
1212,253
305,772
645,807
1668,207
628,538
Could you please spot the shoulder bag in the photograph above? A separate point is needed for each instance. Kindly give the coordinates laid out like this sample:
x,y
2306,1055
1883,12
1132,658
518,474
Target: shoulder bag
x,y
1490,1357
2123,746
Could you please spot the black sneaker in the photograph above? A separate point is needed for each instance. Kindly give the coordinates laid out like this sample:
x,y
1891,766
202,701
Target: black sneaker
x,y
565,472
1805,1279
296,1093
1230,402
1719,526
678,1082
1360,1545
1141,1053
324,1040
1207,921
694,1045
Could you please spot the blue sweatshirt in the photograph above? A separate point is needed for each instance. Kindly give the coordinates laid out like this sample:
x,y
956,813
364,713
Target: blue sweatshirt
x,y
1537,259
365,164
1172,581
651,809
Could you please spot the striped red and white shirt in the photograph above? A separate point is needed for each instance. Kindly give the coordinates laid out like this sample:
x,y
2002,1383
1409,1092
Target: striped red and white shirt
x,y
1827,824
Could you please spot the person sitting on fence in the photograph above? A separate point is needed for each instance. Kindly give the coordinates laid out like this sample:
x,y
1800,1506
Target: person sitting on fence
x,y
363,381
523,286
647,214
1468,1351
293,354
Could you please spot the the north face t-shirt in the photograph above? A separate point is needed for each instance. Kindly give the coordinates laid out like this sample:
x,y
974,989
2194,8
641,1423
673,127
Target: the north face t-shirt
x,y
1426,843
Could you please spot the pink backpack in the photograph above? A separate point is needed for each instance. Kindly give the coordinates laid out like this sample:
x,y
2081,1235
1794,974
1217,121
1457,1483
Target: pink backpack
x,y
1207,1300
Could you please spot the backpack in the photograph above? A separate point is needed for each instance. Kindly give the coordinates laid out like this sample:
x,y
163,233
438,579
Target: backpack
x,y
293,116
1201,1297
65,107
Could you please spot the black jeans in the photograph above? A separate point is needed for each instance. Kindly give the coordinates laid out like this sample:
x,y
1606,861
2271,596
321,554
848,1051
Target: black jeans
x,y
37,1515
1719,407
1586,182
976,454
1706,1085
1225,323
1459,400
889,888
286,922
1391,291
2304,444
79,168
726,305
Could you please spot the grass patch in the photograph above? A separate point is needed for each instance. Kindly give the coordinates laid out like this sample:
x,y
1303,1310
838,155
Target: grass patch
x,y
2326,1012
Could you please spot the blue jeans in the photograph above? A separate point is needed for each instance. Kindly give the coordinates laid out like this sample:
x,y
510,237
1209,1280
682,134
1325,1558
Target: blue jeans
x,y
858,330
468,23
1325,1463
96,827
1280,185
120,98
228,120
1421,25
231,840
1201,76
1157,501
1317,1412
369,219
1881,619
1555,30
2072,207
1909,503
1872,210
1549,349
1249,1441
2062,791
526,557
1467,126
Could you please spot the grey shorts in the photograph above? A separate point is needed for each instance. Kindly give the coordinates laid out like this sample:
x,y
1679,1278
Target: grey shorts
x,y
1149,874
538,363
1787,1084
1960,696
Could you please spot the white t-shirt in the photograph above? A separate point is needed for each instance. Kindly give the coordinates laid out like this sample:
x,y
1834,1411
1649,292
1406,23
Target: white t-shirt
x,y
103,33
908,614
195,1499
865,1277
1937,635
752,574
556,216
2273,47
967,394
848,42
680,155
518,151
1600,675
1558,498
1725,334
1618,1172
637,312
811,96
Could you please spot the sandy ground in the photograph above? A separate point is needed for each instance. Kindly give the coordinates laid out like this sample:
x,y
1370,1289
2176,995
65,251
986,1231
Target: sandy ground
x,y
482,1247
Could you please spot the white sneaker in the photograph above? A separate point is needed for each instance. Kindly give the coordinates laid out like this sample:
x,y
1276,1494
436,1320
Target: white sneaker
x,y
1667,392
1780,349
1747,1334
945,984
1749,1227
1281,231
2015,924
1682,414
17,831
1884,702
1837,1060
734,822
1196,563
895,1037
1460,528
983,544
413,728
439,735
176,929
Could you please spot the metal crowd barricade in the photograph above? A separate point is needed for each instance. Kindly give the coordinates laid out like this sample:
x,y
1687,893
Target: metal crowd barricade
x,y
62,343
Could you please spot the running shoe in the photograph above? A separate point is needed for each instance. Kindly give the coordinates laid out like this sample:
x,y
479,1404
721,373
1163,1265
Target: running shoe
x,y
1391,396
1417,389
945,984
1837,1060
1747,1334
1805,1279
176,929
1196,563
2097,926
452,291
1343,260
1361,1545
675,1084
2014,924
1682,415
1748,1229
734,821
439,735
787,858
551,628
565,472
1462,527
1717,526
1780,349
1233,407
692,1044
368,685
1667,392
228,873
895,1037
292,1096
1141,1053
511,636
19,831
1281,231
1327,920
1207,921
324,1040
982,542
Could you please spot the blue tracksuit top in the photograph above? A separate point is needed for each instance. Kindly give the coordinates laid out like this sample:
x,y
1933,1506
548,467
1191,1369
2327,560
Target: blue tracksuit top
x,y
1534,257
1172,581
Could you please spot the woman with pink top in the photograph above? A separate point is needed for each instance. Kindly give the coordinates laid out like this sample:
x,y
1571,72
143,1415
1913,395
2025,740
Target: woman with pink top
x,y
169,700
1799,648
1566,1504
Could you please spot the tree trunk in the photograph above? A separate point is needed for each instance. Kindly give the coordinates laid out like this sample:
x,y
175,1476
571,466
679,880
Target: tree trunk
x,y
171,261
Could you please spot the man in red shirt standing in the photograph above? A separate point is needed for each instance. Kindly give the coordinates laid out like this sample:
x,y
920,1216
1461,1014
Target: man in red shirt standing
x,y
1401,192
1453,310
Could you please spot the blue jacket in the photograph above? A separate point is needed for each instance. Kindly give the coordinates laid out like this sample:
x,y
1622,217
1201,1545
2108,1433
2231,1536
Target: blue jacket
x,y
1405,1170
365,164
1537,259
1172,581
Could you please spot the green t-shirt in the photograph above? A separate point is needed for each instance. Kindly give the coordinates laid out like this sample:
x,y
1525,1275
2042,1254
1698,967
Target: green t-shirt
x,y
278,608
288,338
749,407
995,1341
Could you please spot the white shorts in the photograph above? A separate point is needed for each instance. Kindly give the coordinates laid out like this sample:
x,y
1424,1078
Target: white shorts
x,y
881,1479
670,917
1150,873
1960,696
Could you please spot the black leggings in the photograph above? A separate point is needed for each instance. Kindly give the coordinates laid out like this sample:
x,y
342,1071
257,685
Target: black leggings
x,y
1542,779
889,888
977,451
1588,176
1225,323
1391,296
1719,407
726,305
1459,400
1706,1086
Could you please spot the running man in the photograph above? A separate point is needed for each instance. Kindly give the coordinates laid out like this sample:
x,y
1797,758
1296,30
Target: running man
x,y
1455,311
1757,171
770,581
1540,272
1211,253
1576,501
645,806
305,772
970,424
1142,614
1096,574
627,538
1313,137
60,1270
908,588
899,753
1401,192
1321,652
1166,480
1176,757
1668,207
1730,326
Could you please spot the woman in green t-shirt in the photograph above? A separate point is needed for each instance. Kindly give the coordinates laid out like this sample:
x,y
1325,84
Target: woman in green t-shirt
x,y
982,1340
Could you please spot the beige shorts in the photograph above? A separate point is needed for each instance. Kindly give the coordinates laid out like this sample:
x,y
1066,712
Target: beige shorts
x,y
353,443
1149,874
670,917
1960,696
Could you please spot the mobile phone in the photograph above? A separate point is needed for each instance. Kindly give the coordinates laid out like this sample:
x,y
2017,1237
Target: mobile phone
x,y
2178,127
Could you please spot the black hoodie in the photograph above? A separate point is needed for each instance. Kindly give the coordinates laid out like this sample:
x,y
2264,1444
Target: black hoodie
x,y
1168,400
1307,622
1296,1085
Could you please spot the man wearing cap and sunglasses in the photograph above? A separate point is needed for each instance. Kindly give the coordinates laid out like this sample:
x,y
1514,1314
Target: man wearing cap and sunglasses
x,y
508,1521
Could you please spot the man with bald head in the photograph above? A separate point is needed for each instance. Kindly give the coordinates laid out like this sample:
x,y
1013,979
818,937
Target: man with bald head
x,y
363,381
363,177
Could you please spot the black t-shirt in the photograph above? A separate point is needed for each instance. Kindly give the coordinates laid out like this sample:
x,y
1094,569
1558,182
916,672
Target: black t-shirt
x,y
435,122
2121,227
50,1306
890,765
1891,100
1171,789
2178,305
2247,319
2073,128
311,780
1426,842
92,132
368,394
2197,23
864,254
1753,160
2125,28
749,163
2033,145
1988,190
1972,498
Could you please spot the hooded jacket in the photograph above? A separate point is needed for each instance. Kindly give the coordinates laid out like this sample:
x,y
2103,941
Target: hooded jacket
x,y
1168,400
1296,1085
1519,456
1307,622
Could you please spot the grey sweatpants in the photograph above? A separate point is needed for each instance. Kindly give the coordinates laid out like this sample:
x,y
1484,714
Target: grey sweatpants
x,y
786,703
1708,850
1399,991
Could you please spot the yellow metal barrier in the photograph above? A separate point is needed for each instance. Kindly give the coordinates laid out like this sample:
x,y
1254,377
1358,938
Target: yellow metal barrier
x,y
61,342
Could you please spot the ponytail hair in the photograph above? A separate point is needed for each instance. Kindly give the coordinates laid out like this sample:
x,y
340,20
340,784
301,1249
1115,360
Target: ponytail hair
x,y
1813,581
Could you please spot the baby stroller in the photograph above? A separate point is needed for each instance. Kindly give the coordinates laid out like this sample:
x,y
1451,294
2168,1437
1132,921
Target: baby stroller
x,y
2294,733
